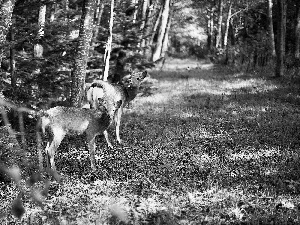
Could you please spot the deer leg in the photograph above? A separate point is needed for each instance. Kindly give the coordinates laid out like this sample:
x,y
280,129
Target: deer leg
x,y
107,139
118,122
92,146
58,136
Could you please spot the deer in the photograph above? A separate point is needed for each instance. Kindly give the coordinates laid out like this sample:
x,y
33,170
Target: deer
x,y
112,93
71,120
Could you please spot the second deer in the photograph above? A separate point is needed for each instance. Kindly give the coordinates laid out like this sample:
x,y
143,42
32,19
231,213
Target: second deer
x,y
113,93
70,120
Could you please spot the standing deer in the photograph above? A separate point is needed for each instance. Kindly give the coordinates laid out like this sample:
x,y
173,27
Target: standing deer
x,y
113,93
70,120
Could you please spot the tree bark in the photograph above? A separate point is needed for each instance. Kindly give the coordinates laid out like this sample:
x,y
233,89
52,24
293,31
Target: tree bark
x,y
66,7
280,53
162,31
149,26
99,12
7,7
109,42
219,33
210,28
134,3
142,27
38,48
151,40
271,29
227,24
12,58
297,33
53,12
80,62
166,37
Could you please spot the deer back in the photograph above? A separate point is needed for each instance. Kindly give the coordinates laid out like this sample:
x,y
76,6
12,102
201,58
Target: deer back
x,y
71,119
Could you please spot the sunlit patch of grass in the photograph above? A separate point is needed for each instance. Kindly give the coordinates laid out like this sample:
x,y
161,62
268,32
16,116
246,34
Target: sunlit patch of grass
x,y
173,64
254,154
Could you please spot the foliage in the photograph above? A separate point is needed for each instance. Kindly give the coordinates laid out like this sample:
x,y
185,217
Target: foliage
x,y
48,78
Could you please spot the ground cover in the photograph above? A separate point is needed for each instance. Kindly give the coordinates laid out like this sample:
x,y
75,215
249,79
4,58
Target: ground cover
x,y
208,146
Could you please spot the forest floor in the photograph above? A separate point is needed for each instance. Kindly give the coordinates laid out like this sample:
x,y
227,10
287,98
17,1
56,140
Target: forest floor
x,y
204,146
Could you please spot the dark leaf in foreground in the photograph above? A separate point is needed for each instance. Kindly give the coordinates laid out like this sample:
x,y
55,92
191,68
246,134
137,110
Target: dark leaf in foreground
x,y
35,177
17,207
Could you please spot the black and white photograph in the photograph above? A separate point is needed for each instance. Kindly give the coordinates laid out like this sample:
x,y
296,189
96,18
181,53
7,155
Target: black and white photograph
x,y
150,112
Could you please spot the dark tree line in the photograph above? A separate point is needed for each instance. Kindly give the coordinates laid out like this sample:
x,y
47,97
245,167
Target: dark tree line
x,y
50,49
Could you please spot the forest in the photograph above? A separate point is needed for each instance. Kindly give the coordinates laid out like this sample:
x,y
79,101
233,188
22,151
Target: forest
x,y
150,112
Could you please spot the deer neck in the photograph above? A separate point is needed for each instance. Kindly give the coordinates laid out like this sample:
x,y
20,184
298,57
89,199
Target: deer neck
x,y
130,92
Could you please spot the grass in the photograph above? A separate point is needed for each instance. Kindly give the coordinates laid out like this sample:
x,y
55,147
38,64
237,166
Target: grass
x,y
209,146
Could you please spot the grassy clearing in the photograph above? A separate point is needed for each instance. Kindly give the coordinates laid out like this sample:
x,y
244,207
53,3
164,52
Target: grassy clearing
x,y
208,147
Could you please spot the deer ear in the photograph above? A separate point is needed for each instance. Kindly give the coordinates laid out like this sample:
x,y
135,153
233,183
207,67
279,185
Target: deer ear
x,y
89,94
144,74
118,104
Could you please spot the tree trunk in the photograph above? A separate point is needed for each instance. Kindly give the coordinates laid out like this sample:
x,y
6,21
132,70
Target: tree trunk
x,y
66,7
297,33
53,12
80,62
142,28
38,48
149,26
162,31
12,58
280,53
219,33
134,3
227,24
155,27
271,29
232,34
109,42
99,12
166,37
210,28
6,10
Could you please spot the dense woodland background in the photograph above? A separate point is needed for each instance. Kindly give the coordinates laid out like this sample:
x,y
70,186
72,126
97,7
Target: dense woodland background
x,y
212,138
48,47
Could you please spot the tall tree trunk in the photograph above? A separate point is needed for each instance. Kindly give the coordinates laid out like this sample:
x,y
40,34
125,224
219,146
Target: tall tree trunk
x,y
151,40
161,31
12,58
99,12
7,7
271,29
280,53
227,24
210,28
134,4
297,33
80,62
142,28
109,42
219,33
38,48
149,26
166,37
53,12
